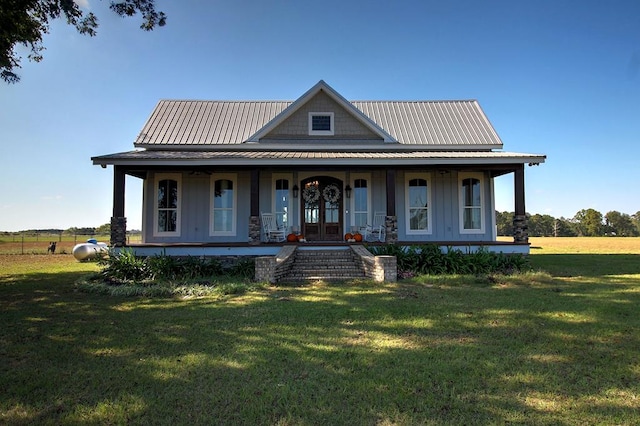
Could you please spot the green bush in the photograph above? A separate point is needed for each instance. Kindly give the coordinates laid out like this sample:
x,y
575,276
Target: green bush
x,y
124,267
429,259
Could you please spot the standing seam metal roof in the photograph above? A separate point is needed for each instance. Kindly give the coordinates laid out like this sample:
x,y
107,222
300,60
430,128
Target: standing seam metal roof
x,y
460,124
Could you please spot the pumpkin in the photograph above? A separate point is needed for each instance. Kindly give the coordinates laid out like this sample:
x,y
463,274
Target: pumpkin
x,y
357,237
292,238
300,237
348,236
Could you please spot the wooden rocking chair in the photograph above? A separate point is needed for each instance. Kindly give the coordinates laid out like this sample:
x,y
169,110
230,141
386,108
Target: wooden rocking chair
x,y
378,230
272,231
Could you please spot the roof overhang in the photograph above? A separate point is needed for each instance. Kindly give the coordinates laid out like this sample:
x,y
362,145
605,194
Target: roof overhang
x,y
242,158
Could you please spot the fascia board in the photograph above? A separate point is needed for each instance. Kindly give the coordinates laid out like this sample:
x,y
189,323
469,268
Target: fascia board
x,y
347,162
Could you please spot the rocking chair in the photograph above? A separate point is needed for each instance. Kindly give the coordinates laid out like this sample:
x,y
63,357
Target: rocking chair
x,y
272,231
378,230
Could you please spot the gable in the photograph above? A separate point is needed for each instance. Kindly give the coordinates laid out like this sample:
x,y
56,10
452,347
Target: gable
x,y
346,126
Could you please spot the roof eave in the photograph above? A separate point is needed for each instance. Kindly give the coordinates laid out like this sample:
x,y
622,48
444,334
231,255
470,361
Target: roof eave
x,y
348,162
319,147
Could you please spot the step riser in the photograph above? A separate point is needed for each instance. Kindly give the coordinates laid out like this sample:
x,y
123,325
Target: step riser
x,y
324,265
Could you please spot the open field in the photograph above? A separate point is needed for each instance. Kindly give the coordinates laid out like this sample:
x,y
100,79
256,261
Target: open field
x,y
32,244
558,348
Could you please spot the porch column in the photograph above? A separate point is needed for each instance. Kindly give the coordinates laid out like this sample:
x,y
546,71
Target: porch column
x,y
391,220
520,227
118,221
254,218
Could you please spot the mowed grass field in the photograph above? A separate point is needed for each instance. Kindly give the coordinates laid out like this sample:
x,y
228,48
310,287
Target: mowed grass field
x,y
557,347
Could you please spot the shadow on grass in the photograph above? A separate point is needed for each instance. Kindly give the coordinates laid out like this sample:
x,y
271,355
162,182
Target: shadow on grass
x,y
587,265
323,354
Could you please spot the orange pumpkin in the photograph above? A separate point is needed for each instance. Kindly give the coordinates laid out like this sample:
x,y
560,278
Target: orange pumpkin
x,y
300,237
348,236
357,237
292,238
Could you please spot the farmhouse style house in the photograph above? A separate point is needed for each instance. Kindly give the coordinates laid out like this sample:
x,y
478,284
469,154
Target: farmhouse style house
x,y
241,176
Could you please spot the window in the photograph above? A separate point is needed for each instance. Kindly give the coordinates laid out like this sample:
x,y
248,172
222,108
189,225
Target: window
x,y
417,204
471,204
281,202
321,123
360,203
223,207
167,209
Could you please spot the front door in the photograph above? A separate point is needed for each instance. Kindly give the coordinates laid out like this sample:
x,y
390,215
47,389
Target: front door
x,y
321,207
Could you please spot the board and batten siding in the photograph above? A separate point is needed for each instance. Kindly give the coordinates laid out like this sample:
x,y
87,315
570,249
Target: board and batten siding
x,y
195,210
445,213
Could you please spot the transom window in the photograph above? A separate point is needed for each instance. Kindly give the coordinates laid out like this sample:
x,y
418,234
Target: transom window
x,y
360,203
321,123
223,206
471,205
167,211
418,204
281,202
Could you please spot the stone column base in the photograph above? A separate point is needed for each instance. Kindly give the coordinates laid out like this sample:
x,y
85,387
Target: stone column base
x,y
520,229
118,231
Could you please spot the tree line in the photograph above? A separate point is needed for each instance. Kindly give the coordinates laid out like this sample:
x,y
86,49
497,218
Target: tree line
x,y
99,230
585,223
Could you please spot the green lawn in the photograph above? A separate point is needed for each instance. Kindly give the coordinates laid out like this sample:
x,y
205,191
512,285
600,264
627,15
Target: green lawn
x,y
539,349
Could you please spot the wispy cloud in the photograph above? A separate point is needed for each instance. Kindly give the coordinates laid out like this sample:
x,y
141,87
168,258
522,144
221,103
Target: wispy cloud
x,y
82,3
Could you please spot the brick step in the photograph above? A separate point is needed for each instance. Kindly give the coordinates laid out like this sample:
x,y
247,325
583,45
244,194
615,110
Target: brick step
x,y
334,265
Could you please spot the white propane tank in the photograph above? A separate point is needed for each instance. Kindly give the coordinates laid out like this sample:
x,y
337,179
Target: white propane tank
x,y
89,250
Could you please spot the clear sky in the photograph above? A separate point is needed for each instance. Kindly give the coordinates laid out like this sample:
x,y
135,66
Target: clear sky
x,y
560,78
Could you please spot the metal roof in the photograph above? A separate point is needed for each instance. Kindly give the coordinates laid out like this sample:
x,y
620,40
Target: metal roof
x,y
245,157
422,124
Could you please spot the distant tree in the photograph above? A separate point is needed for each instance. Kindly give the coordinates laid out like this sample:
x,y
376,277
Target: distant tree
x,y
541,225
80,231
25,21
635,218
619,224
564,228
504,223
589,223
104,229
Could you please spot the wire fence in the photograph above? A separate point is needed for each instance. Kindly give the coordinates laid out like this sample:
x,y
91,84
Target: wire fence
x,y
49,243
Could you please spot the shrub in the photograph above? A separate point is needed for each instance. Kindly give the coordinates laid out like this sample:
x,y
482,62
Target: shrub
x,y
124,267
429,259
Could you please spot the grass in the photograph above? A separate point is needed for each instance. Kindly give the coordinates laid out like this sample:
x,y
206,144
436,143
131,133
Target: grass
x,y
542,348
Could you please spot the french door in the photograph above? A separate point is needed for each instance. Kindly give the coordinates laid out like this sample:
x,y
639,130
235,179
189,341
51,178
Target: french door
x,y
322,208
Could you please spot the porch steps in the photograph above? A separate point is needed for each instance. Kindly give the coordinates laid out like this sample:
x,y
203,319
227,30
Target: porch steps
x,y
326,265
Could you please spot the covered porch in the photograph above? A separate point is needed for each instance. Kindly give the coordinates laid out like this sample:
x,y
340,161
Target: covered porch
x,y
255,244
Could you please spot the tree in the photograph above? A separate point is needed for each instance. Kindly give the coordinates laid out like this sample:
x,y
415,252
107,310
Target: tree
x,y
619,224
504,223
541,225
25,21
104,229
589,223
635,218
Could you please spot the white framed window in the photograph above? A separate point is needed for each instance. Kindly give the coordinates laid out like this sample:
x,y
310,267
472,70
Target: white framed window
x,y
418,203
471,198
321,124
281,205
168,198
361,199
224,199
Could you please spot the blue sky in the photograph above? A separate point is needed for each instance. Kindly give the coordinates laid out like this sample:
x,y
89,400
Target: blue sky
x,y
560,78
